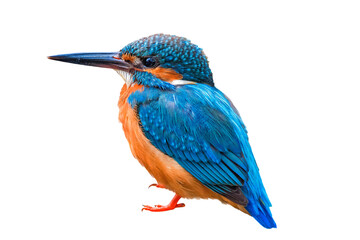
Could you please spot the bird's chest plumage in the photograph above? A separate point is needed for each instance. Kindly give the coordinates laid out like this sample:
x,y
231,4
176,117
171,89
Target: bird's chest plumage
x,y
131,126
159,165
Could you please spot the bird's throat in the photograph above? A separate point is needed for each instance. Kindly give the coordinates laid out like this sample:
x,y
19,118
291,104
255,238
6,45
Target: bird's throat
x,y
128,77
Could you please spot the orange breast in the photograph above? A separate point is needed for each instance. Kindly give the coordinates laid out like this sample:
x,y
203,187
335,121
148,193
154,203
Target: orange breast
x,y
163,168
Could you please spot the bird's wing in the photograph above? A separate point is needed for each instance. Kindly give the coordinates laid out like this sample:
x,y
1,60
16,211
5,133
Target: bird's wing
x,y
198,127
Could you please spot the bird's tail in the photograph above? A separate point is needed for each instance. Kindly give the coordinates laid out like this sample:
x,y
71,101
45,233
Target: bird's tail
x,y
261,212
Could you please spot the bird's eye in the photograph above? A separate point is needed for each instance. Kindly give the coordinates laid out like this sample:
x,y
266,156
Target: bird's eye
x,y
149,62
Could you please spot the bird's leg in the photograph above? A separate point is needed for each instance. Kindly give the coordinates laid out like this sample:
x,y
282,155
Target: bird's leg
x,y
156,185
160,208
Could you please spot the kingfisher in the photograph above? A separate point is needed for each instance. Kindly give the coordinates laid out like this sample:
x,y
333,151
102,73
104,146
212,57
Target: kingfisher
x,y
186,133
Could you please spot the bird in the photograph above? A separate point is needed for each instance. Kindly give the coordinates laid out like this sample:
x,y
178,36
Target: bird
x,y
186,133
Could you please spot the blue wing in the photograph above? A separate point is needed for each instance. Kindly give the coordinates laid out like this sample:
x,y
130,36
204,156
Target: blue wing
x,y
199,127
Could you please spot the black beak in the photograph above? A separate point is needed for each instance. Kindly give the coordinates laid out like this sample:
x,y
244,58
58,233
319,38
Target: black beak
x,y
104,60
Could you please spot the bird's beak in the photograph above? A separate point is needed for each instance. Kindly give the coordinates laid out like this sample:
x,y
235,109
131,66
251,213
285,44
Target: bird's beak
x,y
105,60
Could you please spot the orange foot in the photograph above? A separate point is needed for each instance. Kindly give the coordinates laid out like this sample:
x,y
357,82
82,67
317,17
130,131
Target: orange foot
x,y
160,208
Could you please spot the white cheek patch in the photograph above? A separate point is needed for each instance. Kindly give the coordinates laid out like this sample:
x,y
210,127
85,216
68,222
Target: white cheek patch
x,y
128,77
182,82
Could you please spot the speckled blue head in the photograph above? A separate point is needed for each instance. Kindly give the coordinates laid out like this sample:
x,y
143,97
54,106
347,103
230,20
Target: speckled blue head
x,y
172,52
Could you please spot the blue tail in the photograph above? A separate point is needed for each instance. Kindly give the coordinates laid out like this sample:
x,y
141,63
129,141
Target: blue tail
x,y
261,213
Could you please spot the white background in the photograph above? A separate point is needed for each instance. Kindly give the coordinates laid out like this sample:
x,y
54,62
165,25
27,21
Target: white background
x,y
290,67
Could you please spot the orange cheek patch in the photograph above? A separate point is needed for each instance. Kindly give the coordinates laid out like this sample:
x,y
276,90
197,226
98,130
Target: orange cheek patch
x,y
128,57
165,74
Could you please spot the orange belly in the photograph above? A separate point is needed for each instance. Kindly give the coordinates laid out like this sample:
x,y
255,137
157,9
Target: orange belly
x,y
163,168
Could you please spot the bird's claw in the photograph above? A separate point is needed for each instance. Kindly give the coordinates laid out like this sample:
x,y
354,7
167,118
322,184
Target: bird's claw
x,y
156,185
161,208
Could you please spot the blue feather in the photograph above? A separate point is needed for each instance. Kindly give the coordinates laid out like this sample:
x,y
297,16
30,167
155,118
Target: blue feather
x,y
261,213
204,133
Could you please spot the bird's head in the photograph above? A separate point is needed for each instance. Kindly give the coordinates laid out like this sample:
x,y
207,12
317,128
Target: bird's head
x,y
156,61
